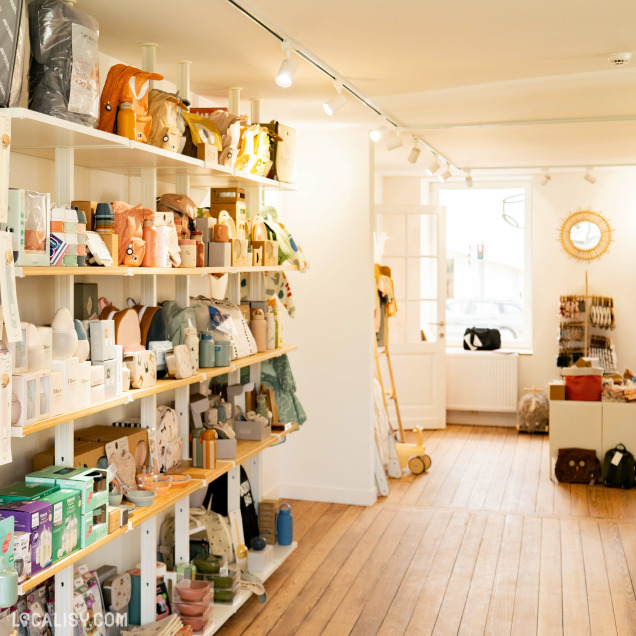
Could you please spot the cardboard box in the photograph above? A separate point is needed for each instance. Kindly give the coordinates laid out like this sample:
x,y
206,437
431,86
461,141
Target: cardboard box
x,y
26,393
208,153
227,195
114,519
93,527
58,393
34,518
252,430
241,256
98,394
22,554
226,449
70,369
86,455
219,254
102,335
236,210
267,519
92,483
65,510
7,530
97,374
137,439
86,298
112,244
111,388
24,490
44,401
269,252
89,208
282,153
206,225
84,389
557,390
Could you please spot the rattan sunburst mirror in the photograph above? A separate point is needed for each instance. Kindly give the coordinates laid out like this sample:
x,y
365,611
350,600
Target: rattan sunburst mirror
x,y
585,235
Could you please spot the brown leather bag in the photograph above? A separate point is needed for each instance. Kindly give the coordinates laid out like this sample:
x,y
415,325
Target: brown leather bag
x,y
577,466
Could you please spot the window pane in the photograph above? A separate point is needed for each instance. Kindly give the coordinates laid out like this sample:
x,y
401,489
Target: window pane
x,y
420,317
398,274
485,246
422,278
394,227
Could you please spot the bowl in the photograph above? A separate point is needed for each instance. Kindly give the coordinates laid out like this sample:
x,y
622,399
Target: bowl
x,y
156,483
141,497
207,563
193,609
192,591
36,357
129,507
180,480
197,623
114,498
64,343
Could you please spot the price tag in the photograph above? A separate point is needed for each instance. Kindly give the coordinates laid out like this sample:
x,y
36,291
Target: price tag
x,y
616,460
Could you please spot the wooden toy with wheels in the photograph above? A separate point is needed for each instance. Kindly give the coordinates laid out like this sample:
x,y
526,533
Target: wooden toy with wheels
x,y
411,456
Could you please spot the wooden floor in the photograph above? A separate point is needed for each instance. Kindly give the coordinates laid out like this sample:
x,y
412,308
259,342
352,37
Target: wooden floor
x,y
484,543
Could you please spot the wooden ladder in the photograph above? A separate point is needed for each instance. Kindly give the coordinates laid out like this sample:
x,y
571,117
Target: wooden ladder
x,y
391,395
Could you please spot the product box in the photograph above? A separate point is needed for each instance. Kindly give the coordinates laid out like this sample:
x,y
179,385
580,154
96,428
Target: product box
x,y
57,392
34,518
114,519
241,256
260,560
98,394
208,153
30,217
86,298
25,399
112,244
92,483
93,526
84,391
7,542
22,554
89,208
44,402
236,210
21,490
102,334
226,449
70,369
137,440
267,519
252,430
97,374
557,390
269,252
219,254
86,455
282,153
65,510
206,225
111,388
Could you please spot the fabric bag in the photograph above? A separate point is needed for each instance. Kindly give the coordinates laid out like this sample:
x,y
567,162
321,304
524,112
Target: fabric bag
x,y
277,374
577,466
179,319
167,129
64,68
618,468
13,51
200,130
254,150
482,339
126,84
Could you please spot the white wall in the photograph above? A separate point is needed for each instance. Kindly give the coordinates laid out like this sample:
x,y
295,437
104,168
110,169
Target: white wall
x,y
331,459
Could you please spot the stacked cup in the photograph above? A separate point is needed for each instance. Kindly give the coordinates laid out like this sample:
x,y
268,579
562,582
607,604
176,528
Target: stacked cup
x,y
81,238
70,236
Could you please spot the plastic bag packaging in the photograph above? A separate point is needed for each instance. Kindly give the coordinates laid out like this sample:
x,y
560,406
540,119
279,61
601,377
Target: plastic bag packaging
x,y
12,48
64,66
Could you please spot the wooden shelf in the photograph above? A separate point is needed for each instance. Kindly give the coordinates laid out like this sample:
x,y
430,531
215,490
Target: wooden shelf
x,y
49,422
39,135
208,475
22,272
248,361
165,385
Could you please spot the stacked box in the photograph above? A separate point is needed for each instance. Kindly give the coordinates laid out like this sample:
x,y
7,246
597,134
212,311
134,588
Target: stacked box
x,y
267,519
65,510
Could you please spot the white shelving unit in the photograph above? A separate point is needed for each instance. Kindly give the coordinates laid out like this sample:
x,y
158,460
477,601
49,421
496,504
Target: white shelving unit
x,y
70,145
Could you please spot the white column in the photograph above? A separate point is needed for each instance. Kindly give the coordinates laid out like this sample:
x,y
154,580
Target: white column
x,y
255,111
183,78
233,482
149,58
181,531
64,175
234,101
182,407
148,570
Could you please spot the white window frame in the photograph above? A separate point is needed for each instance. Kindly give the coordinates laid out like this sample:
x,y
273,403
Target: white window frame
x,y
525,344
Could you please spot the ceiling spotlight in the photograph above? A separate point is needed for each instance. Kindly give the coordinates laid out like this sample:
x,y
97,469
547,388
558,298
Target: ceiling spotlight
x,y
336,102
378,133
394,140
546,178
287,70
414,155
434,167
469,179
446,175
589,177
619,59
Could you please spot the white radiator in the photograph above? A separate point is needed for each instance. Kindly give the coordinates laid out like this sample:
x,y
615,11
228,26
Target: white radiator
x,y
482,381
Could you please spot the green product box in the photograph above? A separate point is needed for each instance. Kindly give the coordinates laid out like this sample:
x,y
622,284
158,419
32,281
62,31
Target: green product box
x,y
92,483
93,527
66,506
21,490
6,542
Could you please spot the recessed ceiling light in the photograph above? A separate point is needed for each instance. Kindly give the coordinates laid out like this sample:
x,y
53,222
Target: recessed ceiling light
x,y
619,59
589,177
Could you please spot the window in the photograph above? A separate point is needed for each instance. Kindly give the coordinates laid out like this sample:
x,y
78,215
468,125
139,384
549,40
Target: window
x,y
487,252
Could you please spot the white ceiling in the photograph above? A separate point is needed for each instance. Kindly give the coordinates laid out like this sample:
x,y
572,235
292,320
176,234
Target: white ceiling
x,y
433,66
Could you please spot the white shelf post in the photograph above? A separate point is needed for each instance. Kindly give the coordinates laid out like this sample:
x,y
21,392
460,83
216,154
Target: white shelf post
x,y
255,111
234,101
182,531
148,571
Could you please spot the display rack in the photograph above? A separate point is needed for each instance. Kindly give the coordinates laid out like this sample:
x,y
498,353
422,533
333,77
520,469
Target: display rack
x,y
70,145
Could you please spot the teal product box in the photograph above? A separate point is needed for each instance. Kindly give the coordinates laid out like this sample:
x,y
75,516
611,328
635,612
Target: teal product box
x,y
7,532
65,510
22,555
20,490
92,483
93,526
34,518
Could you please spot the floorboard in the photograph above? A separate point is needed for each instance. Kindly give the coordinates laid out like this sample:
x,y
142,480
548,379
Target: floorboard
x,y
482,543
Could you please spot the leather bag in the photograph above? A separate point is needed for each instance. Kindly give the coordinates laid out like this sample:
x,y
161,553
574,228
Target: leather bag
x,y
577,466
